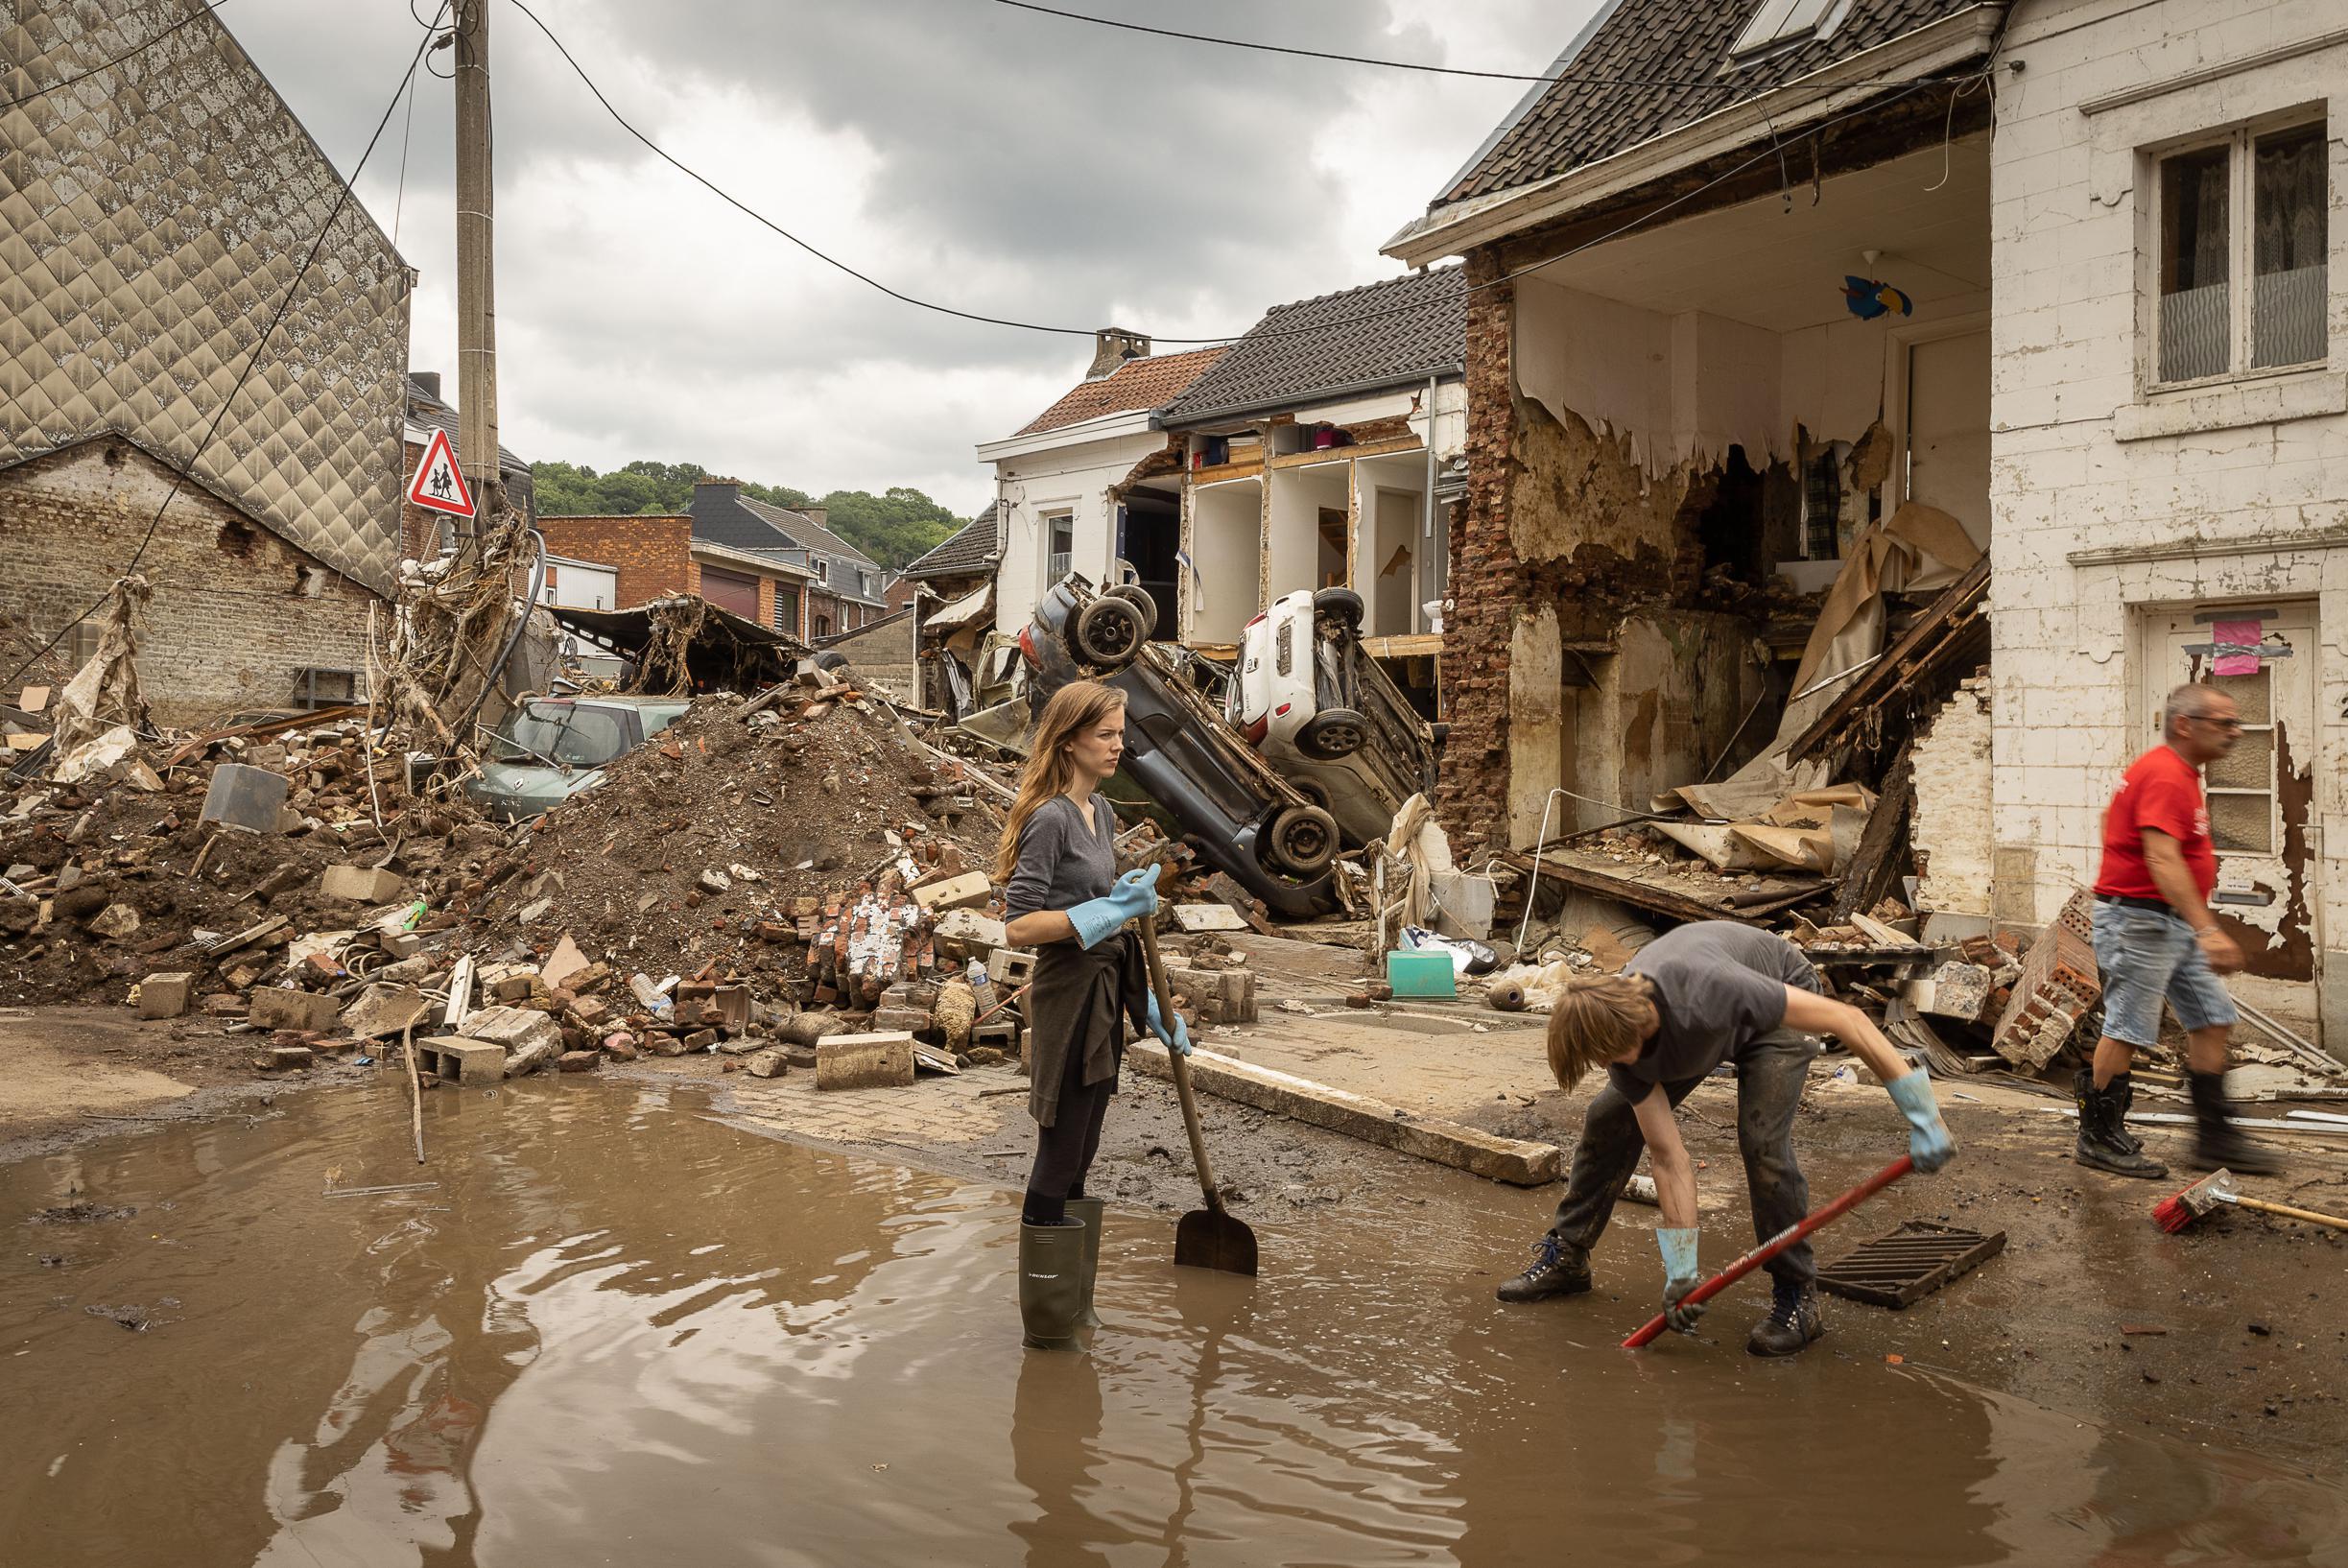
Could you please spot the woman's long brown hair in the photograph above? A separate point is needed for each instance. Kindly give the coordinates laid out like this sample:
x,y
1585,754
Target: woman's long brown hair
x,y
1075,708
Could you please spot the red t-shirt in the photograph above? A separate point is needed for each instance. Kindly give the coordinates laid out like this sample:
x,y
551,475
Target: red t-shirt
x,y
2162,791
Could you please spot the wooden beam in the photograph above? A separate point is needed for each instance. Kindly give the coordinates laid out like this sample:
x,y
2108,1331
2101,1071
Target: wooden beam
x,y
1943,617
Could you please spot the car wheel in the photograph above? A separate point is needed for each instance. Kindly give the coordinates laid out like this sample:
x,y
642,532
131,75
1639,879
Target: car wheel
x,y
1341,604
831,660
1303,841
1109,633
1134,594
1333,733
1311,788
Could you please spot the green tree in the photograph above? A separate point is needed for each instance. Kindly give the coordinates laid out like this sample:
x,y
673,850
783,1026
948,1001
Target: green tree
x,y
893,528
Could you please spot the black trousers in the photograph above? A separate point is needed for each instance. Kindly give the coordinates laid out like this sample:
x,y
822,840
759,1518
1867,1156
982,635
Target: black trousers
x,y
1064,1150
1770,1077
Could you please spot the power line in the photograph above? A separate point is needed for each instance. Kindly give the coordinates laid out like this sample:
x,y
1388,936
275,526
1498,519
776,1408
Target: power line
x,y
252,360
189,20
1253,46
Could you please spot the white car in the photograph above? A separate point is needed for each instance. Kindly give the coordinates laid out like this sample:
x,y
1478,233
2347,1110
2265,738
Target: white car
x,y
1325,716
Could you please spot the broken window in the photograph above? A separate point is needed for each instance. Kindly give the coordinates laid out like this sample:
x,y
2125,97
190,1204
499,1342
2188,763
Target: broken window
x,y
2240,784
2242,266
1060,547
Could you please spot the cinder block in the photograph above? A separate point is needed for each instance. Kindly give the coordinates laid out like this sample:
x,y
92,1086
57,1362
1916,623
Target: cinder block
x,y
462,1060
273,1008
879,1060
360,883
164,995
1009,966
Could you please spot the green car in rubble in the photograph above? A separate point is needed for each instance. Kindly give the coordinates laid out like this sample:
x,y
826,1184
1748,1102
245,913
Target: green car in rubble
x,y
552,747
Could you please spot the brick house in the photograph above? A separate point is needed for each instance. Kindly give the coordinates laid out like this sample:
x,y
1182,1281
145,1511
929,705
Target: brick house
x,y
2054,285
132,289
421,529
656,556
843,591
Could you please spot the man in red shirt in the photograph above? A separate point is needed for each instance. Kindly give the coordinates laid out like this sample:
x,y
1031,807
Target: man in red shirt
x,y
2155,937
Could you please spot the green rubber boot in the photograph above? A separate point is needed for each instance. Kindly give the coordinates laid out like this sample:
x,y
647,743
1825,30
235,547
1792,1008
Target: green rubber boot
x,y
1050,1283
1088,1210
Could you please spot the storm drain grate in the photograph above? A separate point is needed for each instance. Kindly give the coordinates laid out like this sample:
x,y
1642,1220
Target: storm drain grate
x,y
1908,1265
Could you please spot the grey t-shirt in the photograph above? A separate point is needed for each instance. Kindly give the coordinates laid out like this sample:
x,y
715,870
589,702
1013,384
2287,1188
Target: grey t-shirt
x,y
1719,986
1063,860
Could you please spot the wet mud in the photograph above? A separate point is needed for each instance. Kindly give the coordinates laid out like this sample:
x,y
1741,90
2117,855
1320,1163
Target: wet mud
x,y
617,1330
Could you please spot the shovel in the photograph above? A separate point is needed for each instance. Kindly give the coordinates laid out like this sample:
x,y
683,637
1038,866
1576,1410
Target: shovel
x,y
1211,1237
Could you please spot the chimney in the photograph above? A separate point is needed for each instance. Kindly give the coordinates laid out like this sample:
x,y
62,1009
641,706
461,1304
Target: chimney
x,y
428,381
818,515
1112,346
711,482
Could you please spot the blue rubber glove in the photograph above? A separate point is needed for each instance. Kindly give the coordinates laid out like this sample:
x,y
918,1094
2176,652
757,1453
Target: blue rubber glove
x,y
1178,1042
1679,1277
1098,919
1929,1145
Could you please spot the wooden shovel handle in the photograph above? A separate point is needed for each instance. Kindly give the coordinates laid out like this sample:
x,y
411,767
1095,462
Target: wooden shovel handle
x,y
2286,1212
1180,1065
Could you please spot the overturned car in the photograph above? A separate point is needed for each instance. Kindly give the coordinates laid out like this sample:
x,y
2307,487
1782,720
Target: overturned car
x,y
1243,818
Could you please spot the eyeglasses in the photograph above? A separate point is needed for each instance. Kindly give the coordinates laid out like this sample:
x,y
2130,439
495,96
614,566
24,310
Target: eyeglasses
x,y
2231,724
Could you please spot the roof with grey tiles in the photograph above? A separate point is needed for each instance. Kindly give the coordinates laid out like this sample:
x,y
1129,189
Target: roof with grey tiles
x,y
1380,335
1646,67
969,549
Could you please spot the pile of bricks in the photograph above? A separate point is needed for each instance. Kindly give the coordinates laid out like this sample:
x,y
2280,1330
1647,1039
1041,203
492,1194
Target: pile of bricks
x,y
2059,986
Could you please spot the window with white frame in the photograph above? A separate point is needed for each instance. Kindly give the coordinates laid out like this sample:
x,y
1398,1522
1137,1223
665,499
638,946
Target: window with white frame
x,y
823,570
1059,545
1780,22
2239,266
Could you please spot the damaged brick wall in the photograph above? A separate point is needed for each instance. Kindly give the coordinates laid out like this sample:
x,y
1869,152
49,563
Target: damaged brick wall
x,y
1955,851
237,610
1484,570
650,553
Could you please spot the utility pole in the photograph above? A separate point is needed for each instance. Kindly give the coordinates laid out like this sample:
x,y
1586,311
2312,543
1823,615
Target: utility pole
x,y
476,271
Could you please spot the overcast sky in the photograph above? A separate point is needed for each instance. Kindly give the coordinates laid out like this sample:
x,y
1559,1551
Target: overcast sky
x,y
996,160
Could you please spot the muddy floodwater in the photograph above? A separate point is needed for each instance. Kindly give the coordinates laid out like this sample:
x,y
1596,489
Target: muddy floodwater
x,y
620,1331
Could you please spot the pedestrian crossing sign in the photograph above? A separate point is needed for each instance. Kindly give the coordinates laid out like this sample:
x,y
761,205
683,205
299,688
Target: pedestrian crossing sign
x,y
437,485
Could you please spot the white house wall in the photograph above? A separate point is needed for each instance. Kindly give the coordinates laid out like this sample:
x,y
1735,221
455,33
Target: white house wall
x,y
2110,502
1076,480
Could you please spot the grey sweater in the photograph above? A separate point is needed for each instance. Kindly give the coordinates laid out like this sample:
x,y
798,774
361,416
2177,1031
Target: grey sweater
x,y
1063,861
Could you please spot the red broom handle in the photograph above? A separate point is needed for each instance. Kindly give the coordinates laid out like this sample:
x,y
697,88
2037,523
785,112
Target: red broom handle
x,y
1778,1242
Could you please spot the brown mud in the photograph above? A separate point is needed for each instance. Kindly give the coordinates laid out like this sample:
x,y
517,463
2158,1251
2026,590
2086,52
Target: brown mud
x,y
616,1329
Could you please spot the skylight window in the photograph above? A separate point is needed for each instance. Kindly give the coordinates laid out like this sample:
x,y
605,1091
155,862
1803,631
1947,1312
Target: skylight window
x,y
1780,22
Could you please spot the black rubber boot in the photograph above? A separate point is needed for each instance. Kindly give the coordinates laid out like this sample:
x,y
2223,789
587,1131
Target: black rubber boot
x,y
1050,1283
2217,1141
1559,1269
1793,1323
2105,1142
1088,1210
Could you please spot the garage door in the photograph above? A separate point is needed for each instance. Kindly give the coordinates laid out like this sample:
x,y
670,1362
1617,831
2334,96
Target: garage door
x,y
733,591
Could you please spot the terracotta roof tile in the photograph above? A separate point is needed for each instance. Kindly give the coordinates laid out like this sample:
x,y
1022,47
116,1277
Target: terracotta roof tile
x,y
1149,383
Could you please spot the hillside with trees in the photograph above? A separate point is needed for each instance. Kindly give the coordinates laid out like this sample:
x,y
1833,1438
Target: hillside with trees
x,y
893,527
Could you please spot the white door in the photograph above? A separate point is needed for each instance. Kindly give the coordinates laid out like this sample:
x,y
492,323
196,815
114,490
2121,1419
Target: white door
x,y
1948,429
2260,793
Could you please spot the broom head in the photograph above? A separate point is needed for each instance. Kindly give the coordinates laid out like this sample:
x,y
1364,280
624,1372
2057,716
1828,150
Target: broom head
x,y
2173,1214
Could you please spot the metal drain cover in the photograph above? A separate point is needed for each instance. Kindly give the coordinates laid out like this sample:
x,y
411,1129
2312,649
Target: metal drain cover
x,y
1912,1263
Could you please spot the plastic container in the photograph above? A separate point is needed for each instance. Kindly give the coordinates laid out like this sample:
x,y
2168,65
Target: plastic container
x,y
245,797
1422,974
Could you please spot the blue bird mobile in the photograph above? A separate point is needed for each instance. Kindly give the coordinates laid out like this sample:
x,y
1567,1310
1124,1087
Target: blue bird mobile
x,y
1871,297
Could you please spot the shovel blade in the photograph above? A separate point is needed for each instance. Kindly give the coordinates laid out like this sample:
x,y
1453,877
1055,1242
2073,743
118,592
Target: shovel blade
x,y
1209,1240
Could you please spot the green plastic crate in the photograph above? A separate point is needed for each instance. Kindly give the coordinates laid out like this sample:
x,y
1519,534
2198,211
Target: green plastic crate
x,y
1421,974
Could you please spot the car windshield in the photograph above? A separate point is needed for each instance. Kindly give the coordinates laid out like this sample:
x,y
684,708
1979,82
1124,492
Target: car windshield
x,y
565,732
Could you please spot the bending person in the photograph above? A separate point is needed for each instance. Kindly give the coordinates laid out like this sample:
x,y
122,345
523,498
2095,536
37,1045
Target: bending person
x,y
1708,992
1058,862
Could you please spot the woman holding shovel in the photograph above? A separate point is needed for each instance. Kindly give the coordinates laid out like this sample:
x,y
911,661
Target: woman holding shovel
x,y
1058,864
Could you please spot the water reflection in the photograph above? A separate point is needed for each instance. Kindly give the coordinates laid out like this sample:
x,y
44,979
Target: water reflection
x,y
619,1332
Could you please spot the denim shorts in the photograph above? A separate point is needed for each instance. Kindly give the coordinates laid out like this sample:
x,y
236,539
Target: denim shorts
x,y
2146,955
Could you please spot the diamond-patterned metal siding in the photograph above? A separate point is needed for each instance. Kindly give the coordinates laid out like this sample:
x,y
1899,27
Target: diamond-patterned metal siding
x,y
152,217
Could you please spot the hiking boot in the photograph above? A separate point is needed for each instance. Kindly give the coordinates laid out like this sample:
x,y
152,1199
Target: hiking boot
x,y
2218,1142
1559,1269
1050,1283
2106,1143
1088,1210
1793,1323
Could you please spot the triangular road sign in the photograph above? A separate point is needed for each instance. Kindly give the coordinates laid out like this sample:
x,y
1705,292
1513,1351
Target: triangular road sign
x,y
437,484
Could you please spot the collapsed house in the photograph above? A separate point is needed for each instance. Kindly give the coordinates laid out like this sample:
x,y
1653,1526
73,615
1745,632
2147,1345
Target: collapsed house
x,y
259,497
1907,395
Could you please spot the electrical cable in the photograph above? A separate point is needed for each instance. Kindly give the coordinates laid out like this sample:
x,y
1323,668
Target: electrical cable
x,y
1252,46
1906,89
189,20
181,473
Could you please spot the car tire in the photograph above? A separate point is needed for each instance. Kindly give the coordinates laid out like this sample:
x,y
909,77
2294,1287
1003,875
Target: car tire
x,y
1341,604
1333,733
1109,633
1134,594
829,659
1311,788
1303,841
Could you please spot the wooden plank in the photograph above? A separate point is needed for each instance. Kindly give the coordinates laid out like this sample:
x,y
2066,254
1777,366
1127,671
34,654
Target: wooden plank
x,y
1511,1160
1941,617
1875,863
1413,645
1648,895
